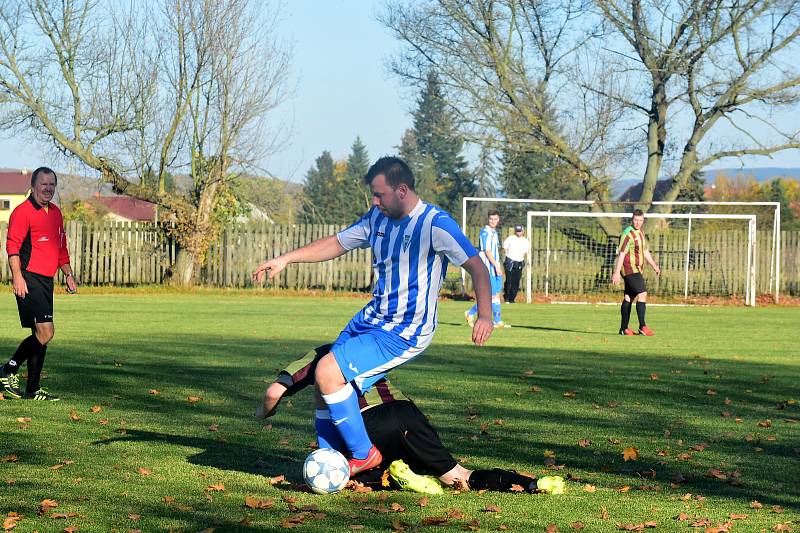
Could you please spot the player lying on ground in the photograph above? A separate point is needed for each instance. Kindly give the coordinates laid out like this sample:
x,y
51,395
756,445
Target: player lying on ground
x,y
397,428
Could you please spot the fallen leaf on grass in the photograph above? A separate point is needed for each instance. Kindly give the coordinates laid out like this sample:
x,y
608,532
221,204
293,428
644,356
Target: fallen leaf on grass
x,y
765,423
583,443
589,488
9,459
277,479
134,517
144,471
255,503
63,515
73,415
219,487
716,473
491,509
777,509
95,409
423,501
23,419
71,529
782,527
153,392
637,527
577,525
734,516
10,521
631,453
755,504
551,528
193,399
46,505
434,520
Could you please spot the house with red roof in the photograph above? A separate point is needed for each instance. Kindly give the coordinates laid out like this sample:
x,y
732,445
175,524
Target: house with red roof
x,y
126,209
15,185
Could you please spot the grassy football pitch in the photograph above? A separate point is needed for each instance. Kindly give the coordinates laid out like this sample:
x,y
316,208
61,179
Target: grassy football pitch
x,y
695,428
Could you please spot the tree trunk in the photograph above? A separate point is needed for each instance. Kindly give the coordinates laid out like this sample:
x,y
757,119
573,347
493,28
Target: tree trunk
x,y
195,238
183,273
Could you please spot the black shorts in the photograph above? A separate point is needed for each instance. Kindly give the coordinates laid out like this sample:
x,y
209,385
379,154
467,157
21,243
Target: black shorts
x,y
400,431
634,284
37,306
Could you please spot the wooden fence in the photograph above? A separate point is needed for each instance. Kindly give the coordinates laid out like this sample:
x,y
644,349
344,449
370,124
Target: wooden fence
x,y
108,253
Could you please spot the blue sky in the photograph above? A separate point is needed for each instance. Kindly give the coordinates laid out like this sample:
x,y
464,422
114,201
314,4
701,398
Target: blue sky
x,y
343,90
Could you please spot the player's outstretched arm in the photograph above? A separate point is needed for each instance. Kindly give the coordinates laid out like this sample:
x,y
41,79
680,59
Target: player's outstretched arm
x,y
615,277
480,281
269,403
314,252
649,258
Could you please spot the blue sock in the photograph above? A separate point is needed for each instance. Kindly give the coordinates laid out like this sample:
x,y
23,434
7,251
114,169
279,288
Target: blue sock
x,y
346,416
473,310
327,434
496,310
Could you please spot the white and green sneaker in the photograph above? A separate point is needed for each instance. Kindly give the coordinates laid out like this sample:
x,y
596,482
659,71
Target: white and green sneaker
x,y
9,384
41,395
400,472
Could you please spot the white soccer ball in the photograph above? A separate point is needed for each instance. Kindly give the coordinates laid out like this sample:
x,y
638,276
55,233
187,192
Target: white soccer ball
x,y
326,471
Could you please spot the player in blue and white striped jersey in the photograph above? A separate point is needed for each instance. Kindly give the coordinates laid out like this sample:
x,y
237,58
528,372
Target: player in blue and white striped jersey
x,y
412,243
490,254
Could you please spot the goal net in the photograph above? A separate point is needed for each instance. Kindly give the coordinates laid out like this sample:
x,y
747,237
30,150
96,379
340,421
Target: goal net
x,y
768,225
701,256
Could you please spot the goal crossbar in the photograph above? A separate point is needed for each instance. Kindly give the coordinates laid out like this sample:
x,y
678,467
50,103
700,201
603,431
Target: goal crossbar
x,y
775,246
750,277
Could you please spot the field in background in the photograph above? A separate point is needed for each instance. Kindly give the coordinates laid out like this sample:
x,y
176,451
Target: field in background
x,y
154,432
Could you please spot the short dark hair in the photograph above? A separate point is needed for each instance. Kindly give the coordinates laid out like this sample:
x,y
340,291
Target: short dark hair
x,y
492,213
42,170
638,213
396,171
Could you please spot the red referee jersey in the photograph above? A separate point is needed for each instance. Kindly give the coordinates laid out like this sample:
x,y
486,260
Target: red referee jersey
x,y
37,236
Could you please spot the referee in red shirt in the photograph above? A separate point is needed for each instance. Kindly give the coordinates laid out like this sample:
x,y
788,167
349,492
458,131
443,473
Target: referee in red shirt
x,y
37,248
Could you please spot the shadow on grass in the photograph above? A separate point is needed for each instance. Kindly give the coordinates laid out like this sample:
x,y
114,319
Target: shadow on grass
x,y
538,328
610,397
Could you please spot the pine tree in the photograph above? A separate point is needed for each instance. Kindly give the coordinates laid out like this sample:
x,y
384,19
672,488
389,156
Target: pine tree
x,y
357,167
318,191
438,143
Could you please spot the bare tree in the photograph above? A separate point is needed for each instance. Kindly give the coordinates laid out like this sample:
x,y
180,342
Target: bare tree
x,y
610,84
182,89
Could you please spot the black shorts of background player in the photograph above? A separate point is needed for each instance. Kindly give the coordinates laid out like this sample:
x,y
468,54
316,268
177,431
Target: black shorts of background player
x,y
399,430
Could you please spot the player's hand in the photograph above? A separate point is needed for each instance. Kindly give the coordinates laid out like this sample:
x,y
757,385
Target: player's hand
x,y
615,278
482,331
20,286
658,270
269,403
274,266
72,284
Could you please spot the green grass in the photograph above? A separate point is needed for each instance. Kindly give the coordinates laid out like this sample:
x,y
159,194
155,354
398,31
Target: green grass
x,y
110,350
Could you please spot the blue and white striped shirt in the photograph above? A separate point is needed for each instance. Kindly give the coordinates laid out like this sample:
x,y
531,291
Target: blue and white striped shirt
x,y
410,258
490,245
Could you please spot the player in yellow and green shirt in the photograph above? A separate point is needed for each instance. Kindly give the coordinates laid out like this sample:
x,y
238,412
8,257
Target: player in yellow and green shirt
x,y
633,252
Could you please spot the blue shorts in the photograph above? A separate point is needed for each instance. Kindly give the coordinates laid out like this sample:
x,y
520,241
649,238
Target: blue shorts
x,y
366,353
497,284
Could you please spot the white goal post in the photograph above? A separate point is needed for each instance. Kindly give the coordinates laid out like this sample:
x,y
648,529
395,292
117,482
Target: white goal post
x,y
750,269
775,246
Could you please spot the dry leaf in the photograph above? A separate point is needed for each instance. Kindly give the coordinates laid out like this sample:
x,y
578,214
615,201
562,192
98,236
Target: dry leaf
x,y
71,529
193,399
95,409
277,479
23,419
589,488
624,488
734,516
397,508
755,504
631,453
9,459
255,503
153,392
73,415
434,520
782,527
551,528
134,517
423,501
583,443
491,509
603,513
577,525
144,471
216,488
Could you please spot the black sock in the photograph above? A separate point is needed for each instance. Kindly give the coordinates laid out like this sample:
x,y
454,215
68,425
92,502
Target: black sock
x,y
35,364
640,309
625,311
27,347
500,480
